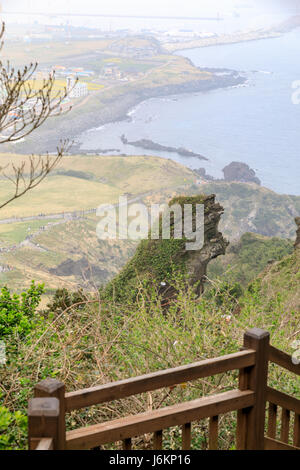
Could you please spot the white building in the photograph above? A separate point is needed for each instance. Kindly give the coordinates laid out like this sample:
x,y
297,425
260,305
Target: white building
x,y
76,90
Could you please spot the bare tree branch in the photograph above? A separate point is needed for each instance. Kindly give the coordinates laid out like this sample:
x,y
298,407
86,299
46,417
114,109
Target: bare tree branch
x,y
25,179
24,107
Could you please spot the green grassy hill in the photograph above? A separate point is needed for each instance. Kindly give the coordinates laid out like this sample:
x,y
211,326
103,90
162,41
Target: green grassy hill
x,y
245,259
251,208
279,285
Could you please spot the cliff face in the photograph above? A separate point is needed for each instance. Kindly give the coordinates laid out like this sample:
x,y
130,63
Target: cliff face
x,y
158,261
297,242
214,244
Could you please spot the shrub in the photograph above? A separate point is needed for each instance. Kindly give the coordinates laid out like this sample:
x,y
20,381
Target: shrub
x,y
17,311
13,429
63,299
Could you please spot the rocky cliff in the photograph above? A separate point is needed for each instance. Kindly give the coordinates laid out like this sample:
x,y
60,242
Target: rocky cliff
x,y
158,261
297,242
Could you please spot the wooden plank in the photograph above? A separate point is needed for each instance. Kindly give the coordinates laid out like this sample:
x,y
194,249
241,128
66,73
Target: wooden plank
x,y
283,400
127,444
152,421
157,440
285,425
145,383
258,340
297,430
272,444
242,415
186,436
283,359
213,432
241,430
45,444
272,420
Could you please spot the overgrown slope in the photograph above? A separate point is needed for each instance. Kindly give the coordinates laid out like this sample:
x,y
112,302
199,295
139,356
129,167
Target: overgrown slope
x,y
245,259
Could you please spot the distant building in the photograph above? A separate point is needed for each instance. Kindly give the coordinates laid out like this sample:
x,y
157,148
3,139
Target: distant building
x,y
76,90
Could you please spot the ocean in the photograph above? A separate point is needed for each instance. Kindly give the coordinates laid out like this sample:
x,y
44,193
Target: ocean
x,y
257,124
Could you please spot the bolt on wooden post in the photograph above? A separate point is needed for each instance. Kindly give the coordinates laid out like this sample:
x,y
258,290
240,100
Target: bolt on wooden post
x,y
251,421
54,389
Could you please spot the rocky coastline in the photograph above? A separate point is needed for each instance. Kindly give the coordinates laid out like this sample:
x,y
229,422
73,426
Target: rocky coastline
x,y
234,172
72,125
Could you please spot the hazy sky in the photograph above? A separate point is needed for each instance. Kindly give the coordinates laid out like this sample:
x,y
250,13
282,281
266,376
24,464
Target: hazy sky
x,y
143,7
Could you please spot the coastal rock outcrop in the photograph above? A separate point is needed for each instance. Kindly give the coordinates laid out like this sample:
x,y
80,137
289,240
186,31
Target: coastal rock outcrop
x,y
148,144
238,171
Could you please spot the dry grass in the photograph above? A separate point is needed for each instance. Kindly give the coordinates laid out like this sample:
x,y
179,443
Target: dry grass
x,y
109,178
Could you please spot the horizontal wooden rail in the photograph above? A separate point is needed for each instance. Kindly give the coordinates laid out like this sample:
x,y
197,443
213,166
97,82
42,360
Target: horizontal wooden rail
x,y
45,444
165,378
283,359
283,400
273,444
153,421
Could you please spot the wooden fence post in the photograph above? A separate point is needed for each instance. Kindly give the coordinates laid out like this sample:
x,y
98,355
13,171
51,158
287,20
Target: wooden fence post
x,y
55,389
43,421
251,421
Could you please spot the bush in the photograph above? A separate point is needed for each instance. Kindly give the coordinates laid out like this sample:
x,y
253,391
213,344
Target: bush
x,y
64,299
17,311
225,293
13,429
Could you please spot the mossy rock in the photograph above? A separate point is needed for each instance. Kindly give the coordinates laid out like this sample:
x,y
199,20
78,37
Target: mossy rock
x,y
156,261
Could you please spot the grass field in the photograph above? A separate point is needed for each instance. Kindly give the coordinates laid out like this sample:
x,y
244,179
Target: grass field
x,y
100,180
60,51
16,233
52,51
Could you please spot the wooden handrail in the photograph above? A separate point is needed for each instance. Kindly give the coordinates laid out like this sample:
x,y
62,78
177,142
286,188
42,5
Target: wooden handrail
x,y
283,359
283,400
152,421
46,412
165,378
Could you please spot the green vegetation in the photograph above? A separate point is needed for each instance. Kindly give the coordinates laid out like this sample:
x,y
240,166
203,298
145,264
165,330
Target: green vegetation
x,y
13,429
249,208
17,232
17,311
104,341
245,259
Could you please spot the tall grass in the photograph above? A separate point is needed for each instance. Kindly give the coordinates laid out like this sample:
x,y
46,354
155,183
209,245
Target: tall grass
x,y
96,341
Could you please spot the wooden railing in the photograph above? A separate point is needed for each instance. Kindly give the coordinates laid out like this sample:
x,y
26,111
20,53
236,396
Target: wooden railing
x,y
47,429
